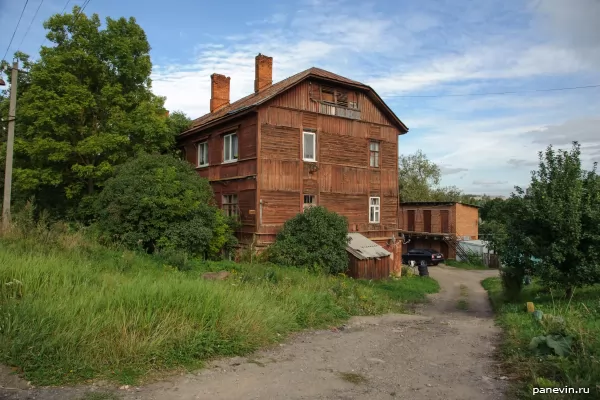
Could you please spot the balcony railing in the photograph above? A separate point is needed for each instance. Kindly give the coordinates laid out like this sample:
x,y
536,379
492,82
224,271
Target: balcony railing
x,y
339,111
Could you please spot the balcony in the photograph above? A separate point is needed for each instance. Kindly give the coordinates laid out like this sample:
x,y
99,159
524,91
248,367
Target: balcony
x,y
339,111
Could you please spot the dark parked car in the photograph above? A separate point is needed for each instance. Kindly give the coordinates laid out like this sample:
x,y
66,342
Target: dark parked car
x,y
422,256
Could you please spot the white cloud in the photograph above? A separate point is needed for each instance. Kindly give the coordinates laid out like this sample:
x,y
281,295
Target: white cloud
x,y
476,140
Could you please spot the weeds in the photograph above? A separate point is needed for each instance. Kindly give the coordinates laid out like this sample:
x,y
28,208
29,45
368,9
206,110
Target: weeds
x,y
72,310
464,265
568,327
353,377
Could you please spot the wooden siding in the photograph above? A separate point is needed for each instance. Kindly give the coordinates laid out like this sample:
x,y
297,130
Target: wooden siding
x,y
341,178
270,176
372,268
303,97
278,206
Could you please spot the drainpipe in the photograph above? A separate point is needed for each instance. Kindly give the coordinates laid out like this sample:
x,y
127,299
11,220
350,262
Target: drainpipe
x,y
260,212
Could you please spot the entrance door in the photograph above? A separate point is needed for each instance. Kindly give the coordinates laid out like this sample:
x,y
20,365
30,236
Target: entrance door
x,y
444,250
426,220
411,221
445,216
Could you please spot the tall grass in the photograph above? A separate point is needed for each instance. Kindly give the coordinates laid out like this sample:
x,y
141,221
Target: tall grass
x,y
581,314
72,310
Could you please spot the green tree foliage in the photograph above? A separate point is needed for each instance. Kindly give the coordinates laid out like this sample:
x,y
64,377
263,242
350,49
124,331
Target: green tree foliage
x,y
87,107
160,203
419,180
563,219
315,239
555,221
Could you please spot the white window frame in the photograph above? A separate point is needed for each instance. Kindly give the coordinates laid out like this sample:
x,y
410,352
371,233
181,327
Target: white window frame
x,y
312,203
314,143
201,146
230,205
233,151
374,154
374,210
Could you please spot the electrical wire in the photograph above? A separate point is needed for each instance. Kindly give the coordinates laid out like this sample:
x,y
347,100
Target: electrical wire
x,y
15,31
30,23
500,93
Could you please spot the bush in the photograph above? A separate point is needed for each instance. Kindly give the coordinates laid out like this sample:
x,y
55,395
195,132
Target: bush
x,y
315,239
157,202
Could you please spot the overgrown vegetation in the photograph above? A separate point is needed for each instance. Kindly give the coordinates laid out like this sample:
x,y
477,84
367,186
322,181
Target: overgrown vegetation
x,y
315,239
550,230
556,346
465,264
157,202
71,309
85,106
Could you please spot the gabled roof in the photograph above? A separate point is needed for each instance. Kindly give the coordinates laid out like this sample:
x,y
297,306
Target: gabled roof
x,y
363,248
247,103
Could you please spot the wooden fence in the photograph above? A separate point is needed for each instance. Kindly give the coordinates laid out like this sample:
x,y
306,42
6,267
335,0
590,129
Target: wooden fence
x,y
491,260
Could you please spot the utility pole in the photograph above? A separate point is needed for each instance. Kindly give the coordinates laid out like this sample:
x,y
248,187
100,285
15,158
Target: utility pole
x,y
9,147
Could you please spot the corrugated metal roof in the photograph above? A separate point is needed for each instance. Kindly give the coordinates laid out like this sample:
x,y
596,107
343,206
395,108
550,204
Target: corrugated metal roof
x,y
363,248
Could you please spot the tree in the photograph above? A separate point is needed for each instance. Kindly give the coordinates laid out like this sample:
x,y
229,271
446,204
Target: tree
x,y
315,239
563,219
87,108
179,122
158,202
417,176
419,180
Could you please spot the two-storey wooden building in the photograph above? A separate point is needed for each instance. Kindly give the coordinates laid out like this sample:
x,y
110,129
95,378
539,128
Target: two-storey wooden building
x,y
315,138
438,225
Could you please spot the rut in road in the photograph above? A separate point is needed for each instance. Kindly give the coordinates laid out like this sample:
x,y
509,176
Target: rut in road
x,y
444,351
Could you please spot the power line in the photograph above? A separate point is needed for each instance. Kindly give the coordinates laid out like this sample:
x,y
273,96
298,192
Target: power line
x,y
500,93
31,23
15,31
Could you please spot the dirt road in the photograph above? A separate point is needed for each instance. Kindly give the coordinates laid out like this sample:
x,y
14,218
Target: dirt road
x,y
444,351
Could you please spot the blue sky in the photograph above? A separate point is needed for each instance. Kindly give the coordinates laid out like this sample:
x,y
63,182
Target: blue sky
x,y
485,144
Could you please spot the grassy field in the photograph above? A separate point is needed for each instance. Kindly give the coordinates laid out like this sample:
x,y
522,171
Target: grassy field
x,y
581,369
464,265
71,310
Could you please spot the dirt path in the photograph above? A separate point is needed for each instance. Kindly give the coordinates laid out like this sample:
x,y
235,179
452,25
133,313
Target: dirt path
x,y
442,352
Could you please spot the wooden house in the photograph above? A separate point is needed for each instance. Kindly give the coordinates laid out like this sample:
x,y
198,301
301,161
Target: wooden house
x,y
315,138
438,225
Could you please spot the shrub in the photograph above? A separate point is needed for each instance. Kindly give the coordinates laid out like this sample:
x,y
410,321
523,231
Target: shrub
x,y
315,239
158,202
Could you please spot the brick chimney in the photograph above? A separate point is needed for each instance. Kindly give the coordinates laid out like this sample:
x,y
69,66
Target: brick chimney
x,y
264,72
219,91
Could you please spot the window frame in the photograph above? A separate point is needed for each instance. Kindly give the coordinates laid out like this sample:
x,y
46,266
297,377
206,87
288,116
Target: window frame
x,y
306,205
198,147
230,208
374,210
374,155
314,144
233,158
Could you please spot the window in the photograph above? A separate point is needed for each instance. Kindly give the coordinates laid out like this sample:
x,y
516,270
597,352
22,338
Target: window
x,y
203,154
336,97
374,210
230,147
374,149
230,204
309,201
309,146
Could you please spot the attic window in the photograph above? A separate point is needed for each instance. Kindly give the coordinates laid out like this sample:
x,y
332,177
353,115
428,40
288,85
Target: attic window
x,y
336,97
